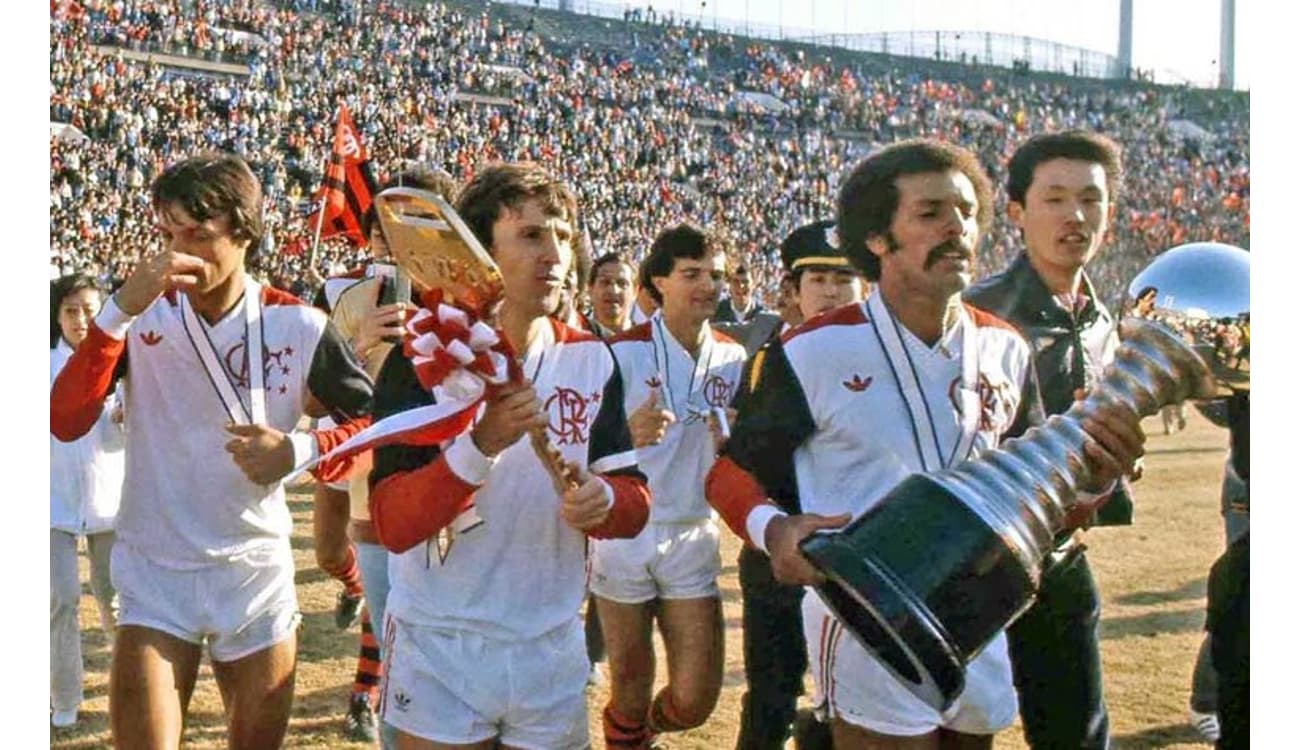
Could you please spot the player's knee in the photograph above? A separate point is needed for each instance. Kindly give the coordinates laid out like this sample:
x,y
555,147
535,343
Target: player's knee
x,y
693,703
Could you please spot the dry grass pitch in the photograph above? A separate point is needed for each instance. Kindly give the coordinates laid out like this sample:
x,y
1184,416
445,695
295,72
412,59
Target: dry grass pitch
x,y
1152,576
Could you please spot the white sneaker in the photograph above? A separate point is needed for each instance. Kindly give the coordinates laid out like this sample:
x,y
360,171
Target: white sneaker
x,y
1207,725
64,719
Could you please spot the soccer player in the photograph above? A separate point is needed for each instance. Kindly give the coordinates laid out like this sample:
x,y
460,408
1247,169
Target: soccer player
x,y
220,371
483,644
1062,189
776,656
854,401
677,375
365,308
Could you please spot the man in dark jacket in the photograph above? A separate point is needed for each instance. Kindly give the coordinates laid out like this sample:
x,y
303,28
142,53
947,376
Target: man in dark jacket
x,y
1061,188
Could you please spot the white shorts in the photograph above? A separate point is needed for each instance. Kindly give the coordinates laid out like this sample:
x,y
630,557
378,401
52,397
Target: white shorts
x,y
240,607
664,561
459,687
854,686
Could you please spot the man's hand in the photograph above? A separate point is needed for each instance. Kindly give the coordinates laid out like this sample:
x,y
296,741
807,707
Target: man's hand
x,y
511,412
649,422
263,453
155,274
587,506
382,322
1116,445
782,538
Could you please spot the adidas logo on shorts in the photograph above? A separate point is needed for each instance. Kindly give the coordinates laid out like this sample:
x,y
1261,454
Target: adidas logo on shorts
x,y
402,700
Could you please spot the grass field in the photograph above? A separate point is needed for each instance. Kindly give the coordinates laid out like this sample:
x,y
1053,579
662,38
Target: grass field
x,y
1152,577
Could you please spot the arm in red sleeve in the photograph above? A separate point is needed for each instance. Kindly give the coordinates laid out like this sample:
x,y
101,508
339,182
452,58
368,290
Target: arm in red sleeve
x,y
77,396
408,507
631,507
338,469
734,493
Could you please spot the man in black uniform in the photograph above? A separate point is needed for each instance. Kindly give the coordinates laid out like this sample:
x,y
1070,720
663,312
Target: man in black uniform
x,y
776,657
1061,191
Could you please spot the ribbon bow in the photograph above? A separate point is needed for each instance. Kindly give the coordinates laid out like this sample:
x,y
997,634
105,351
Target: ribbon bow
x,y
454,355
457,358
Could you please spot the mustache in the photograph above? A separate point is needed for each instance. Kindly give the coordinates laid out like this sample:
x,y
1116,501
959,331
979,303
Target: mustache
x,y
951,246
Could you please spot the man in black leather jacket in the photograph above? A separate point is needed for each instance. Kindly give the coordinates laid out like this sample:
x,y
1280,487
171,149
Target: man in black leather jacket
x,y
1062,188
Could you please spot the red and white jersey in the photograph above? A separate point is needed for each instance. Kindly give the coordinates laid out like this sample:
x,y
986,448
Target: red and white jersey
x,y
501,560
652,360
185,503
852,403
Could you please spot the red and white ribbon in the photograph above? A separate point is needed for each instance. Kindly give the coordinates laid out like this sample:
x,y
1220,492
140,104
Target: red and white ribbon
x,y
455,357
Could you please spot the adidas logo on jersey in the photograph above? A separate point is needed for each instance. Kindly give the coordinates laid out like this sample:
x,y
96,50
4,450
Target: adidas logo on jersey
x,y
151,338
402,700
857,384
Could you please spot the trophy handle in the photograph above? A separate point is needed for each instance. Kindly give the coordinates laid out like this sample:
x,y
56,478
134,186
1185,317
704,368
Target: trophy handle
x,y
561,474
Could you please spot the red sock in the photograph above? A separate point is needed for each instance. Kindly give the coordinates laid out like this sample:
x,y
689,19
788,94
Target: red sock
x,y
370,670
664,716
621,732
348,573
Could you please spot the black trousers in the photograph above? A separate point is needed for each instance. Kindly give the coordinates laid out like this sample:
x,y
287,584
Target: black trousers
x,y
1229,626
1056,661
776,656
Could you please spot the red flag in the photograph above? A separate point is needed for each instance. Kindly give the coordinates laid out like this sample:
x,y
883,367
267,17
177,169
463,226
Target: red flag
x,y
348,185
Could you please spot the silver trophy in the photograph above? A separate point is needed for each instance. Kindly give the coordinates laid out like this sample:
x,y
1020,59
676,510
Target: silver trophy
x,y
929,575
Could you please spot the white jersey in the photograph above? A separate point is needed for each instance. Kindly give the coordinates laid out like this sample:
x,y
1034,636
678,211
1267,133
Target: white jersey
x,y
853,403
521,571
651,359
185,503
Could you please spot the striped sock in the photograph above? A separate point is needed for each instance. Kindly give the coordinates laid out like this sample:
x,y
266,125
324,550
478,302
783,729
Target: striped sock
x,y
664,716
370,670
348,573
621,732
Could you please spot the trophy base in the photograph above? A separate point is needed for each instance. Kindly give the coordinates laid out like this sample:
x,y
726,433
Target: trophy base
x,y
923,583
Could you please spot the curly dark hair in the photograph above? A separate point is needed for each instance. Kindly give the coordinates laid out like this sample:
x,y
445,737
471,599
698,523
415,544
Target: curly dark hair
x,y
680,241
869,196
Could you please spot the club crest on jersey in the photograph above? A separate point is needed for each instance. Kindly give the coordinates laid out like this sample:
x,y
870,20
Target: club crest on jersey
x,y
997,403
858,384
275,365
567,416
717,391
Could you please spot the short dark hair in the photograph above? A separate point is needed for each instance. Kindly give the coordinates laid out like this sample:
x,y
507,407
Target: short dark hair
x,y
869,197
680,241
62,288
211,185
508,186
422,178
1081,145
605,260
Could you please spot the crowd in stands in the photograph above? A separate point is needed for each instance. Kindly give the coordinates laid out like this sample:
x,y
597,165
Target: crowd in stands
x,y
651,130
